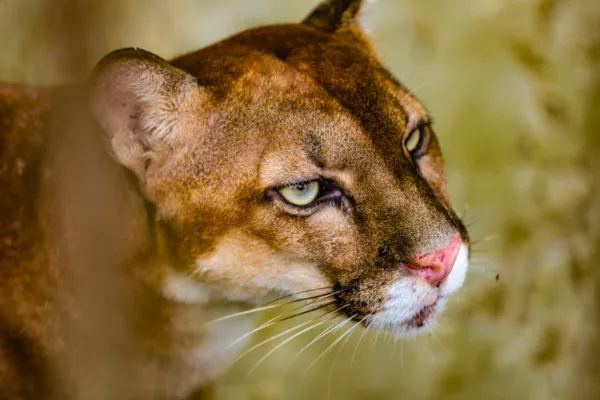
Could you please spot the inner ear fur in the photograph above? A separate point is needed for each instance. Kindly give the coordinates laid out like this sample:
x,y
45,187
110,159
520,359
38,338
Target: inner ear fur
x,y
333,15
142,103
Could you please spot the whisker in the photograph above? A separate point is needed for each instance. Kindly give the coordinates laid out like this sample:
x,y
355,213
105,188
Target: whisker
x,y
319,298
394,346
418,87
309,311
337,356
273,321
329,312
295,294
434,336
283,343
271,306
270,339
324,295
469,218
260,328
324,353
331,330
376,337
480,251
489,238
322,334
357,344
482,261
432,357
237,314
388,338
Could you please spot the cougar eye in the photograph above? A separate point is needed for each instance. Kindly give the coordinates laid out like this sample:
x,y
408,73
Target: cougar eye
x,y
415,141
412,141
301,194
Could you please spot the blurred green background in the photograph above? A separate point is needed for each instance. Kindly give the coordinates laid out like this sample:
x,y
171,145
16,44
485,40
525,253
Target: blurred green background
x,y
514,88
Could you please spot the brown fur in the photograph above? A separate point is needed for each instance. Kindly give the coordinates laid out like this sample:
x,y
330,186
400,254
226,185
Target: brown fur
x,y
193,226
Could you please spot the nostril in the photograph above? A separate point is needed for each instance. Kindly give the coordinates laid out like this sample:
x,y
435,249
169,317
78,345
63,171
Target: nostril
x,y
436,266
434,274
383,251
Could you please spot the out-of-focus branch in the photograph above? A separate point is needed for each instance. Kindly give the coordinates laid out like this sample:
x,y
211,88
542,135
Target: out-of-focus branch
x,y
86,198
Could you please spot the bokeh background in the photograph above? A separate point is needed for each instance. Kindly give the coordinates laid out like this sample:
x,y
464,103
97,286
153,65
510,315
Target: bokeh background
x,y
514,88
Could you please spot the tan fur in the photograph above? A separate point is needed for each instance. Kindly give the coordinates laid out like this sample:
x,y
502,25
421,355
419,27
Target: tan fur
x,y
114,257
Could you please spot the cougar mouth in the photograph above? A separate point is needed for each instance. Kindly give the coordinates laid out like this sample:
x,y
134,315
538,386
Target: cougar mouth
x,y
423,316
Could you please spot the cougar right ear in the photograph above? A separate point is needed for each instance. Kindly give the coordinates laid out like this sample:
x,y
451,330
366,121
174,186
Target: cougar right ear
x,y
332,15
141,101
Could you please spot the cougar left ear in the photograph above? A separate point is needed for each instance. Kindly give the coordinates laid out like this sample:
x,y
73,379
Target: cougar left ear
x,y
142,103
332,15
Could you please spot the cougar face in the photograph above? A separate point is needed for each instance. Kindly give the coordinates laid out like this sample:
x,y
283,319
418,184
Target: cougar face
x,y
288,160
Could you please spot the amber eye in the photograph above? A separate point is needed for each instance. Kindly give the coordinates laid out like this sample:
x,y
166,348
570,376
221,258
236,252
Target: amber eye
x,y
413,141
301,194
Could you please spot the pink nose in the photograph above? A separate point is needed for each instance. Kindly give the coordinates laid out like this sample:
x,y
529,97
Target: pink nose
x,y
435,267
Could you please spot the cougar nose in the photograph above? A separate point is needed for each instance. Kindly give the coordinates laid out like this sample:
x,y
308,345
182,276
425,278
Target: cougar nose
x,y
435,267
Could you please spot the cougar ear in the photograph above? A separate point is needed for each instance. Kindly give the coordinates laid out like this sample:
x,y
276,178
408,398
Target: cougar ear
x,y
332,15
142,103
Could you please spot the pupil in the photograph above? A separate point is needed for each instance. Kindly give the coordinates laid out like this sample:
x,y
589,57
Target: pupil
x,y
300,187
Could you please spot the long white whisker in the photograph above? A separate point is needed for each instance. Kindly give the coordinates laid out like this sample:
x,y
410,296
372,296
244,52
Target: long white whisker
x,y
351,330
465,211
377,334
324,353
387,338
325,332
488,238
283,343
237,314
431,353
394,344
260,328
267,324
357,344
295,294
271,306
419,87
310,310
256,346
277,336
433,335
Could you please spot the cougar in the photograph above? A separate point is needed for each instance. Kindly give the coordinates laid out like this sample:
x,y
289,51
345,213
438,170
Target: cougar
x,y
144,225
